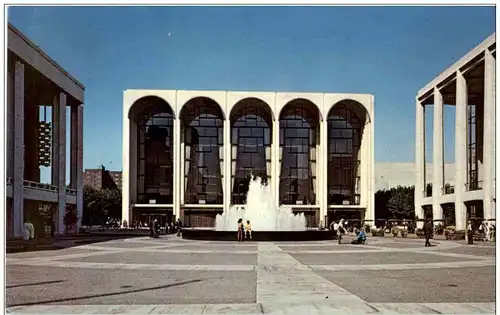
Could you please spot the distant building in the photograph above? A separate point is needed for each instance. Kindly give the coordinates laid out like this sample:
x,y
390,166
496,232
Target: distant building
x,y
102,178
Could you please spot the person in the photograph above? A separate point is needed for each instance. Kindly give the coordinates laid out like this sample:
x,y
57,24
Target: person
x,y
248,230
157,228
240,230
52,228
179,227
340,230
361,238
151,229
334,228
470,233
428,229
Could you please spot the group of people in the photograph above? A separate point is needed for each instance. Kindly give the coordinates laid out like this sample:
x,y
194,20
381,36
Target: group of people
x,y
244,230
154,228
339,229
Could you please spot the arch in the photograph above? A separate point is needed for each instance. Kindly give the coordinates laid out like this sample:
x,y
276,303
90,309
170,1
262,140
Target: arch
x,y
154,118
346,120
361,111
147,102
202,123
251,122
207,102
306,104
299,132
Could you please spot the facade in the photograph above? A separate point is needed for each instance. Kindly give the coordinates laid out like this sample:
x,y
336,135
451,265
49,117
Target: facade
x,y
100,178
190,154
469,85
34,83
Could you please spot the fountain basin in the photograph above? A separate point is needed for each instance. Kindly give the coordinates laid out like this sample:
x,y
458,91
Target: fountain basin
x,y
258,236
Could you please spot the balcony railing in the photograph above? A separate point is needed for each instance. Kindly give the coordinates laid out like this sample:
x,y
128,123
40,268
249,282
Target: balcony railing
x,y
40,186
475,185
70,191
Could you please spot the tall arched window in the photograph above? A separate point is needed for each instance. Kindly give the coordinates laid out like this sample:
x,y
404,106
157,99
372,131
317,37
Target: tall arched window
x,y
298,138
154,150
345,129
251,125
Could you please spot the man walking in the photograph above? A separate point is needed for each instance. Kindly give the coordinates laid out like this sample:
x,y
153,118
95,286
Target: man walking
x,y
470,233
428,232
179,227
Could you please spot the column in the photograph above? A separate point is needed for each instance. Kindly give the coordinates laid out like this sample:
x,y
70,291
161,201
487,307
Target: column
x,y
419,160
177,164
62,164
460,150
324,168
227,164
319,173
275,149
126,178
437,159
55,141
79,167
74,147
10,125
371,161
488,134
18,189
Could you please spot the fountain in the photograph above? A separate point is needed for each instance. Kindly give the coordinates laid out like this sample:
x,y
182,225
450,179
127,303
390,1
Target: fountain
x,y
262,212
269,222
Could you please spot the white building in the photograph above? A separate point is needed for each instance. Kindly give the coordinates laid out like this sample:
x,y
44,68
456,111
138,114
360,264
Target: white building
x,y
470,86
34,83
189,154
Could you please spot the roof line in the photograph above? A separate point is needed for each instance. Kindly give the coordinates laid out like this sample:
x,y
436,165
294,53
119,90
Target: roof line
x,y
41,52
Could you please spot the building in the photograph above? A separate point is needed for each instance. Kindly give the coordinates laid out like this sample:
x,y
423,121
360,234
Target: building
x,y
189,154
34,83
100,178
469,85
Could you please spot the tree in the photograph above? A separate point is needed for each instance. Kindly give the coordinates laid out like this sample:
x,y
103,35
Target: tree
x,y
99,204
70,217
401,202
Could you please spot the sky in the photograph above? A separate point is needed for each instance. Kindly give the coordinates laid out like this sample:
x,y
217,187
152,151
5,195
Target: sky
x,y
390,52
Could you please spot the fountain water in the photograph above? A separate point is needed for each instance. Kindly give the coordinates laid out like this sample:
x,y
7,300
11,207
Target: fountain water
x,y
261,211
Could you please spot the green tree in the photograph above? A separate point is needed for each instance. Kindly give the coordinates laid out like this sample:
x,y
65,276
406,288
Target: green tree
x,y
401,203
99,204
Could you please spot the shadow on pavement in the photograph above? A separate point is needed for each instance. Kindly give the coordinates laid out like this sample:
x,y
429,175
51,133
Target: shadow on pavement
x,y
34,283
76,298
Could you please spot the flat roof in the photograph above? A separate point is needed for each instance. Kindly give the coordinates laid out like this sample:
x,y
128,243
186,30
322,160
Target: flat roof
x,y
476,51
15,46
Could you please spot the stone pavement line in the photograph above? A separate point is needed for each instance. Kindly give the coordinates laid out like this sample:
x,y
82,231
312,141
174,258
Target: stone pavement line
x,y
254,308
284,285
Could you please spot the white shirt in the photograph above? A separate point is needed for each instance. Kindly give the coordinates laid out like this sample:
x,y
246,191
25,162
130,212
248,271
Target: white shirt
x,y
469,227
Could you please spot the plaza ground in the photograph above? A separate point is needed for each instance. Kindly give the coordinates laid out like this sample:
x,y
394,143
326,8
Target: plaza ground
x,y
171,275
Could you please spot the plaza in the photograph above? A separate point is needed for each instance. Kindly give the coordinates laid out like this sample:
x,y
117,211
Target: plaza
x,y
190,154
175,276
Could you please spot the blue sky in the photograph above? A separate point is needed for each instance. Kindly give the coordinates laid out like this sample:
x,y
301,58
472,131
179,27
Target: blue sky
x,y
391,52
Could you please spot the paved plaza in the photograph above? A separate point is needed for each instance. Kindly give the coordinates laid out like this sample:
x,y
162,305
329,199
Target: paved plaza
x,y
175,276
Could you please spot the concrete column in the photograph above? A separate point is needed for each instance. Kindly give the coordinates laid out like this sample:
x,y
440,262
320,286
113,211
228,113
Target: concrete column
x,y
460,151
324,168
182,169
55,141
177,165
371,161
227,164
275,148
419,161
18,189
437,159
62,163
488,135
10,124
74,147
126,178
79,167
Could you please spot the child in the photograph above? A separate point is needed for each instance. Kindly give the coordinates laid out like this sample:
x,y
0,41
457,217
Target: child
x,y
248,229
